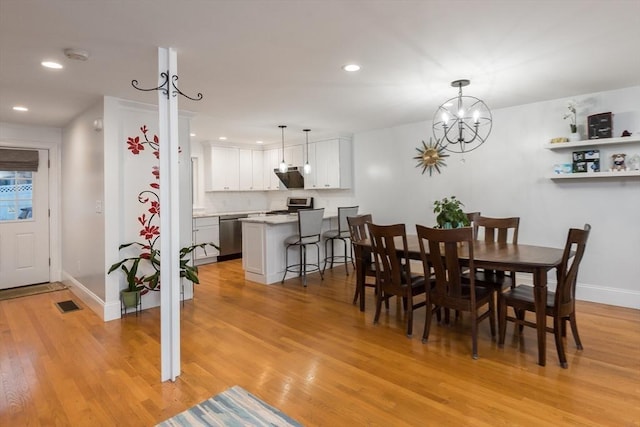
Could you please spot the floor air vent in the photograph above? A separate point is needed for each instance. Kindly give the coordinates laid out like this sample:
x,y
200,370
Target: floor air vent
x,y
67,306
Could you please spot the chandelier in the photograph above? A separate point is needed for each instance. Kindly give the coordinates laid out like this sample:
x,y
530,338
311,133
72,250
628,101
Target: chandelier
x,y
463,123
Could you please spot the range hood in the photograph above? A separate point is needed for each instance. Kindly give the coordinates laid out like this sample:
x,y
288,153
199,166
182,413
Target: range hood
x,y
292,178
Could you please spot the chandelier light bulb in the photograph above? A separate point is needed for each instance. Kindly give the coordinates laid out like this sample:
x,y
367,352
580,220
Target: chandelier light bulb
x,y
476,116
445,118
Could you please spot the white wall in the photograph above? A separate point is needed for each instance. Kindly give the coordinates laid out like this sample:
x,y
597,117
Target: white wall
x,y
507,177
82,207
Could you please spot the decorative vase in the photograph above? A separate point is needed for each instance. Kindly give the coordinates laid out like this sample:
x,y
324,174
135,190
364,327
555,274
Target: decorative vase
x,y
574,137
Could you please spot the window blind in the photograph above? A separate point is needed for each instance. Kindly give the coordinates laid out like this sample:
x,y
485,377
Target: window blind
x,y
18,160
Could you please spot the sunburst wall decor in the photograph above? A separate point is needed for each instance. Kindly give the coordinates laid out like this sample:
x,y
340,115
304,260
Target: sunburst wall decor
x,y
431,156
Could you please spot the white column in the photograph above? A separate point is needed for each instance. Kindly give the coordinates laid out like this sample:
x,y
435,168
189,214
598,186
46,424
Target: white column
x,y
169,220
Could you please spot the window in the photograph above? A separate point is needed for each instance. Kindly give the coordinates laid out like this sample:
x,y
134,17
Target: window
x,y
16,195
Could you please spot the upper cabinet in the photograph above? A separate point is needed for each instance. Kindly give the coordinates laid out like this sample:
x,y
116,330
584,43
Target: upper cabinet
x,y
293,155
222,168
271,160
330,162
251,170
606,149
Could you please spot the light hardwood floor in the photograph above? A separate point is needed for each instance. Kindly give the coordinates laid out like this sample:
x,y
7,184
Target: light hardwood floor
x,y
312,354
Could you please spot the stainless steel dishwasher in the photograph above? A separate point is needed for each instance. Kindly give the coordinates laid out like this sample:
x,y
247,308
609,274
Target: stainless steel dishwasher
x,y
230,235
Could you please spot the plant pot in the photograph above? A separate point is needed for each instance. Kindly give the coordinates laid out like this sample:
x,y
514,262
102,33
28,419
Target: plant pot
x,y
130,298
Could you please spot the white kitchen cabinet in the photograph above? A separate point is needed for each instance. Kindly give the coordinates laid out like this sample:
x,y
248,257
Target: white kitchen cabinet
x,y
222,168
293,155
251,170
272,160
330,162
206,230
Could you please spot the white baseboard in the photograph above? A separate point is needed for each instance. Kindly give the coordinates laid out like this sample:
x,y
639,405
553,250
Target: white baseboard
x,y
94,302
592,293
111,310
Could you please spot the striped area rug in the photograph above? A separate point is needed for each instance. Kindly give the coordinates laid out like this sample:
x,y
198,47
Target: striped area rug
x,y
232,407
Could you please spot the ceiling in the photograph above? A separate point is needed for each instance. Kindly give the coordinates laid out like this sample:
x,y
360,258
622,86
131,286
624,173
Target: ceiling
x,y
264,63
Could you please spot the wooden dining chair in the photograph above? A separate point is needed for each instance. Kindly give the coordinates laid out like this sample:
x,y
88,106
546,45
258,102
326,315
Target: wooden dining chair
x,y
450,290
365,265
560,304
496,230
393,270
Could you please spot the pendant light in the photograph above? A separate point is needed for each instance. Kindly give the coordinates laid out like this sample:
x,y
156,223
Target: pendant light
x,y
283,165
307,166
463,123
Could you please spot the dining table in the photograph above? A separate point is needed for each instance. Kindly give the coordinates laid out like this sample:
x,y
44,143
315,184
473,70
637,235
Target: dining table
x,y
537,260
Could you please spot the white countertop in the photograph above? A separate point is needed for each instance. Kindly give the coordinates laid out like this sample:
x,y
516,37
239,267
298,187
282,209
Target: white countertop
x,y
281,219
209,214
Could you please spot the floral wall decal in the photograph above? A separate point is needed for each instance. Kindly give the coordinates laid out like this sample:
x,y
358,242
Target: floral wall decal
x,y
147,278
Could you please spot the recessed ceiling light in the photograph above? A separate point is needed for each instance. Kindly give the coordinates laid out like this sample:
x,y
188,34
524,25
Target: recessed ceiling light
x,y
223,138
258,142
351,67
20,108
51,64
192,134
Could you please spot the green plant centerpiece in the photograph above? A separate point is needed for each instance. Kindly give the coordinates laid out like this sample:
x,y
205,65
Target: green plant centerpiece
x,y
142,266
449,213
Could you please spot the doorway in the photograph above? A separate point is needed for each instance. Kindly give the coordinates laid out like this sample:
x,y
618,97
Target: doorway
x,y
24,225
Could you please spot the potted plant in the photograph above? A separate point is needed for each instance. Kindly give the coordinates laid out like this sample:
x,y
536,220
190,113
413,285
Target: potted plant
x,y
449,213
138,284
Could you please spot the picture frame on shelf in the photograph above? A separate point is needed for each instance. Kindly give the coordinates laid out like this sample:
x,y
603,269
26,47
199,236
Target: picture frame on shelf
x,y
600,125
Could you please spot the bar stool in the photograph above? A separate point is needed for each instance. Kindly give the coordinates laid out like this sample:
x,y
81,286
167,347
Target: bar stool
x,y
342,233
309,229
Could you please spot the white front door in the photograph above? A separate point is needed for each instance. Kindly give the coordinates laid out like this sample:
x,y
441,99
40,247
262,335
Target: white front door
x,y
24,225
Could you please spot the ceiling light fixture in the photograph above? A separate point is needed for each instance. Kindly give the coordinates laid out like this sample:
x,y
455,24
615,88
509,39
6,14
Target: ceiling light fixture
x,y
463,123
76,54
283,165
222,138
258,142
351,67
307,166
192,134
51,64
20,108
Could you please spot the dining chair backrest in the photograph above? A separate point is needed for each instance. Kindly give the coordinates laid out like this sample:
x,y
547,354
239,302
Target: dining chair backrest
x,y
496,229
310,223
443,257
343,214
358,227
390,270
471,216
567,273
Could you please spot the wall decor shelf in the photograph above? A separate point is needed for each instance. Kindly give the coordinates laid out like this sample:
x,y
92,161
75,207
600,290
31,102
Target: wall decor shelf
x,y
593,143
609,145
596,175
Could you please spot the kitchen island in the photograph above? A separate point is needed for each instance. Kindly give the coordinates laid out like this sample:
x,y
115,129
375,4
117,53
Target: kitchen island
x,y
263,248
